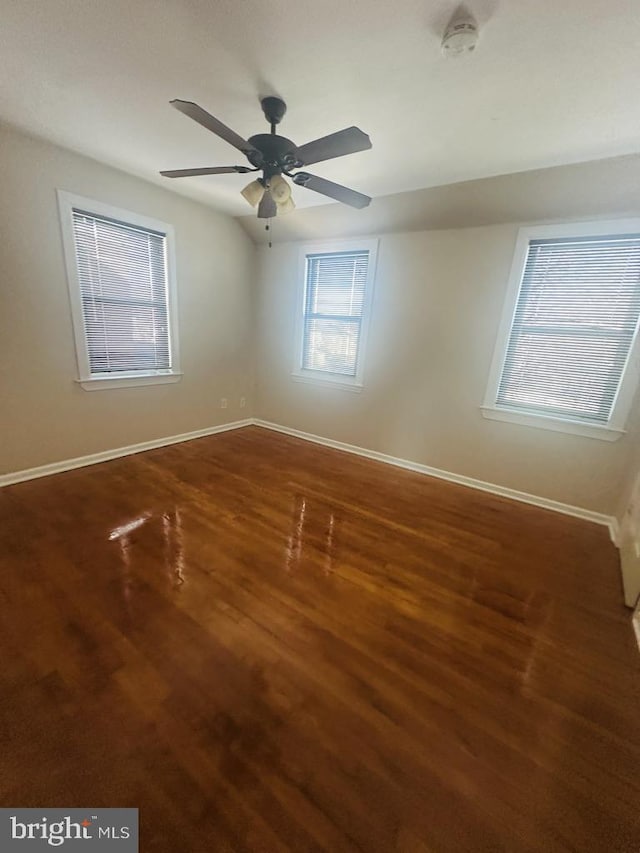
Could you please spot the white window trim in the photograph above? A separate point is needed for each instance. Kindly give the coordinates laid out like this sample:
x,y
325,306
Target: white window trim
x,y
614,429
322,377
66,203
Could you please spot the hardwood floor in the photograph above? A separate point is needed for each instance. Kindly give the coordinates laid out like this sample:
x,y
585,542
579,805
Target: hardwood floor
x,y
270,646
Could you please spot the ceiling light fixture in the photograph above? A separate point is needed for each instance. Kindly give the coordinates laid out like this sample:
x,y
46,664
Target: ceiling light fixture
x,y
278,191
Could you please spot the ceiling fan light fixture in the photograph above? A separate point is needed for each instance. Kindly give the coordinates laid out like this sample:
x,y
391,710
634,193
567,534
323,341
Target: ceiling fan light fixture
x,y
253,193
286,206
279,189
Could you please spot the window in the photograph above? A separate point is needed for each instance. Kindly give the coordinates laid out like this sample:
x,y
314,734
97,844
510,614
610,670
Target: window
x,y
566,355
121,285
334,311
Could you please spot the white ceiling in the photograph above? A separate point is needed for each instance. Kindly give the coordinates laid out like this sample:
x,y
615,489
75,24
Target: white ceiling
x,y
551,82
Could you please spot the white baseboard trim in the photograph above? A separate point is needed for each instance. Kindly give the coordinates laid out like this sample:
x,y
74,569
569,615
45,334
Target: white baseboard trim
x,y
545,503
80,462
106,455
614,531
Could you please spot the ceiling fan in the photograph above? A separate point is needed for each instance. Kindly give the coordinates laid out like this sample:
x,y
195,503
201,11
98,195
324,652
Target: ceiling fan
x,y
276,156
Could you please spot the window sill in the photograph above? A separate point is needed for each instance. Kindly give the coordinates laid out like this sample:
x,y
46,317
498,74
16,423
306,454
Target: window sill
x,y
603,433
330,380
127,380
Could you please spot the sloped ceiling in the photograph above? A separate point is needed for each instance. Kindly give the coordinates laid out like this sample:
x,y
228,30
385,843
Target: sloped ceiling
x,y
595,190
550,83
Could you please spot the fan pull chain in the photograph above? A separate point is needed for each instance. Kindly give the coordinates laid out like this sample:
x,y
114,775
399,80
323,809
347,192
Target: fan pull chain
x,y
267,227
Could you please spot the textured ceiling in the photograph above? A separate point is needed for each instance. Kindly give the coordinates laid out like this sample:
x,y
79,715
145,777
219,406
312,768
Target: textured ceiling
x,y
550,83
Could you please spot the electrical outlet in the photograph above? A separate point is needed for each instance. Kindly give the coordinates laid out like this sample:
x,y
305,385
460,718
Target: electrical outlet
x,y
243,402
223,402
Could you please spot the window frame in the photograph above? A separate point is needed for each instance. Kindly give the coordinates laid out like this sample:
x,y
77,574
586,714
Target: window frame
x,y
614,428
325,377
67,203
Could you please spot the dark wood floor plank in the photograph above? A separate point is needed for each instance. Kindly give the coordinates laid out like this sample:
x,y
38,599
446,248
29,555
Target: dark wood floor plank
x,y
275,646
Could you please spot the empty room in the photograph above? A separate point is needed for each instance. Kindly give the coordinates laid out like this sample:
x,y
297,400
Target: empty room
x,y
320,426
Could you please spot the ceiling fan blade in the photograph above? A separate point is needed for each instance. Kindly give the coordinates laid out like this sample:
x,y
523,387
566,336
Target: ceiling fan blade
x,y
211,123
337,191
346,141
267,208
214,170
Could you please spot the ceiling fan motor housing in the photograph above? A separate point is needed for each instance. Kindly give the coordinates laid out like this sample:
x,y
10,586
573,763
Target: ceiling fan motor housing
x,y
273,153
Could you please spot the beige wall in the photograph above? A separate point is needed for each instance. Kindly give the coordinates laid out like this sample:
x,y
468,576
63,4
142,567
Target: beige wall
x,y
46,416
436,309
437,303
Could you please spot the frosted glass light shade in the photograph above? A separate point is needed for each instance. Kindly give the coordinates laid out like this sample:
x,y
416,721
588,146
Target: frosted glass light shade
x,y
279,189
286,206
253,193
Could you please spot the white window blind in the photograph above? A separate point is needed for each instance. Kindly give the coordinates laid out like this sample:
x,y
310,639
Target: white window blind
x,y
573,328
122,273
333,311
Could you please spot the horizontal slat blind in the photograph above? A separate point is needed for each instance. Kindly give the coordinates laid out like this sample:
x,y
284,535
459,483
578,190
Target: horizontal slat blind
x,y
573,327
123,285
334,302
